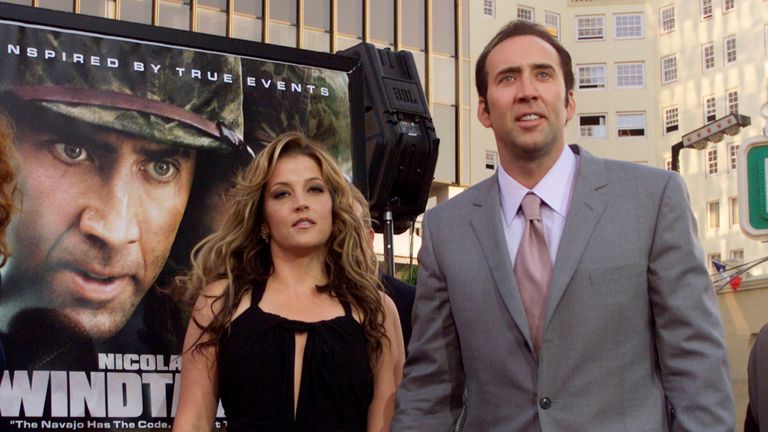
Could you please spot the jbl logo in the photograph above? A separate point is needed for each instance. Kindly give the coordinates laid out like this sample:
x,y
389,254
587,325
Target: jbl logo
x,y
404,95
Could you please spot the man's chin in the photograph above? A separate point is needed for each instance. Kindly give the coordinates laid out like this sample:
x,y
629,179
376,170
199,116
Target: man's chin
x,y
98,326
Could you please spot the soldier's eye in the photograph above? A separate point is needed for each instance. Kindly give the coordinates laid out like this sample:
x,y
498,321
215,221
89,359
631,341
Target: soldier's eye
x,y
162,171
69,153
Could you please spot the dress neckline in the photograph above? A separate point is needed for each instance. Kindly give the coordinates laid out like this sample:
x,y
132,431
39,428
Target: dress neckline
x,y
257,293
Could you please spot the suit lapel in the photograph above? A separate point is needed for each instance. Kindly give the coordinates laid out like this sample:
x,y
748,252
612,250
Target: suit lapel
x,y
486,222
587,205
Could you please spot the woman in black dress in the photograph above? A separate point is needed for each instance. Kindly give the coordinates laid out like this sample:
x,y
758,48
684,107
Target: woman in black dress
x,y
290,328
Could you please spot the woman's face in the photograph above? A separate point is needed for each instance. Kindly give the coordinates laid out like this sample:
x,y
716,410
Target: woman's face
x,y
297,207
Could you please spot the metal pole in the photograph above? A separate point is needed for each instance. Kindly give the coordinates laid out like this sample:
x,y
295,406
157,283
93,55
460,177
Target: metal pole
x,y
389,233
676,156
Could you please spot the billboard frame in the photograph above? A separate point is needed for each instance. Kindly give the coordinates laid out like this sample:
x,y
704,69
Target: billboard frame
x,y
225,45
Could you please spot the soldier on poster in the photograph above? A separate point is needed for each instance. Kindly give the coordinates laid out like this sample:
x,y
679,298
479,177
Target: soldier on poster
x,y
285,97
124,152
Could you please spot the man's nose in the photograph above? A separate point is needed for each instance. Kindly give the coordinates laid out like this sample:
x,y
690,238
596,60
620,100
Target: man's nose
x,y
526,89
111,212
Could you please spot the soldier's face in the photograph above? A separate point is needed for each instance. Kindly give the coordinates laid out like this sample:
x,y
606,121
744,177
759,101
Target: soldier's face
x,y
100,213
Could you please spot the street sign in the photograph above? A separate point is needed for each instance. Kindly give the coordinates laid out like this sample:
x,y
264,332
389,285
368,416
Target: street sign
x,y
752,168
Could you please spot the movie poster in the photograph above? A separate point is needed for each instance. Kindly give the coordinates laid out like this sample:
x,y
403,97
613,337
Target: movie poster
x,y
126,150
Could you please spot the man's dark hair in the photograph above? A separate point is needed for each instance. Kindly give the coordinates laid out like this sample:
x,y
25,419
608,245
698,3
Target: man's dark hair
x,y
521,28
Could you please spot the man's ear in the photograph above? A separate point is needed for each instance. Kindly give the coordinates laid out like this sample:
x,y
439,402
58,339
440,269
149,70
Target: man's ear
x,y
482,113
570,106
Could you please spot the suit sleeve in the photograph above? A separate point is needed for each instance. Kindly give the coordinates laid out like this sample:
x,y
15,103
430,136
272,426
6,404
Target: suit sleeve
x,y
757,377
430,396
689,336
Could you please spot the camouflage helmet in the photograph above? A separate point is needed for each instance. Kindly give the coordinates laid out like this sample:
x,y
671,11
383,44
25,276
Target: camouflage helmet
x,y
282,97
163,94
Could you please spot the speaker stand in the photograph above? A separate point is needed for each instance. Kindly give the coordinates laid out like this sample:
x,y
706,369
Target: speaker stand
x,y
389,253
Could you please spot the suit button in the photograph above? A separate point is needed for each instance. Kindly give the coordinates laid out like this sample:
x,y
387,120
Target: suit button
x,y
545,403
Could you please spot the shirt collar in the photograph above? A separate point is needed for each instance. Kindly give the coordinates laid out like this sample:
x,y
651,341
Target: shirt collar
x,y
554,188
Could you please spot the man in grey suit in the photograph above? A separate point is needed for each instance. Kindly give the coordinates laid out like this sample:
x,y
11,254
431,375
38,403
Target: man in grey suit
x,y
757,378
626,334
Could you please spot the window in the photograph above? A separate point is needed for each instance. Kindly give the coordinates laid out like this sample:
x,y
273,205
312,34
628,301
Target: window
x,y
667,19
733,210
670,119
552,24
729,5
737,256
733,154
708,56
591,76
712,161
592,126
669,69
710,110
491,158
630,75
489,8
732,97
713,215
630,124
628,26
730,49
713,257
525,13
590,27
706,9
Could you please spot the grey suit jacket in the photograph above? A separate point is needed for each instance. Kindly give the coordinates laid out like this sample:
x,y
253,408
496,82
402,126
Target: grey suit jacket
x,y
757,377
632,324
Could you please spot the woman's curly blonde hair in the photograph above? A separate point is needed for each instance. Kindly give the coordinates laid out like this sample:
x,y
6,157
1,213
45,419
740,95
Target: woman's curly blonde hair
x,y
238,253
7,184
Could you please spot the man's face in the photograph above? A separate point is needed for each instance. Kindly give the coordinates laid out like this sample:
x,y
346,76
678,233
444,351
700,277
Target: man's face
x,y
526,104
100,213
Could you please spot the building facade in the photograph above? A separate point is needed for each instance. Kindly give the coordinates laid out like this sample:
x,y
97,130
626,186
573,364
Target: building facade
x,y
647,73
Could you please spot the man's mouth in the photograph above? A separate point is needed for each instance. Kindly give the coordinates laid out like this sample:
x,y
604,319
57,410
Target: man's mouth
x,y
529,117
95,286
97,278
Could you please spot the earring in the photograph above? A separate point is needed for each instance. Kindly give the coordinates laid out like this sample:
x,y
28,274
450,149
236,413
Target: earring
x,y
264,233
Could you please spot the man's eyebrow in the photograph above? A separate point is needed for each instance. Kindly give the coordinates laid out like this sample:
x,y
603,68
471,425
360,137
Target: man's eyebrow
x,y
509,69
540,66
165,152
78,134
518,69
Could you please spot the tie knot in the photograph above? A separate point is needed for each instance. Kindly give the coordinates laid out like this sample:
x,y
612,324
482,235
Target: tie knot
x,y
531,206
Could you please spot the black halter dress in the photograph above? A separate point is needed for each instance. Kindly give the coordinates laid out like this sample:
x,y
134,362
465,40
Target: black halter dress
x,y
256,373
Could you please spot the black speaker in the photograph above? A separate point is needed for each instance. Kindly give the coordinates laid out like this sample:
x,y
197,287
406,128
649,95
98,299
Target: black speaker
x,y
400,137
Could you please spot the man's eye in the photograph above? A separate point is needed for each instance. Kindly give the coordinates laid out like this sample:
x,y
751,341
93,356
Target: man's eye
x,y
162,171
69,153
